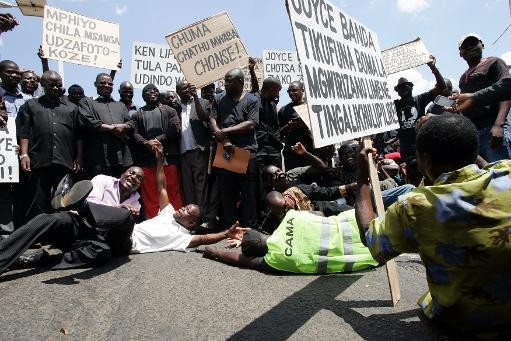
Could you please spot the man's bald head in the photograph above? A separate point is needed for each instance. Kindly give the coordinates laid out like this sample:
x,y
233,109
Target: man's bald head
x,y
52,84
126,85
49,75
126,92
271,88
8,64
233,82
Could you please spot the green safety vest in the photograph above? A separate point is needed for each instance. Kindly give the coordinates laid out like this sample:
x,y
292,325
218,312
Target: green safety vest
x,y
308,243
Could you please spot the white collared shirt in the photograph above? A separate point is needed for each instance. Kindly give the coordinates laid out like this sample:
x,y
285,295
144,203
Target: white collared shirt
x,y
187,139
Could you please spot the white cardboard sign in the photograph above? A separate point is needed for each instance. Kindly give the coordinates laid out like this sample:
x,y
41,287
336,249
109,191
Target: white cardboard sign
x,y
405,56
154,64
283,65
345,83
9,164
78,39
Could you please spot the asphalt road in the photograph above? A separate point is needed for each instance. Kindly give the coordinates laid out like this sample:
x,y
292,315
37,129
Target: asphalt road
x,y
184,296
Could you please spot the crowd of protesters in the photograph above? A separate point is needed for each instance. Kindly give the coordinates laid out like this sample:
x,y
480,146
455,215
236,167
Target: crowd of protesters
x,y
101,177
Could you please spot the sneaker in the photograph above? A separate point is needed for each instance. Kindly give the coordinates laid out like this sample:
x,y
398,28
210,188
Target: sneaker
x,y
70,197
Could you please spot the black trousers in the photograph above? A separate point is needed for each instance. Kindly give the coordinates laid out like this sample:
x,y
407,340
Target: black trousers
x,y
194,174
41,182
233,187
90,237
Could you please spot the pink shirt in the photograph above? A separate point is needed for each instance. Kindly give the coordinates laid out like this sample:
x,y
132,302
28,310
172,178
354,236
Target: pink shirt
x,y
105,191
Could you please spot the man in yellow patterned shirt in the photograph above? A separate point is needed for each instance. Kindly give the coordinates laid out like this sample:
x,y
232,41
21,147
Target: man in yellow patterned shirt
x,y
460,224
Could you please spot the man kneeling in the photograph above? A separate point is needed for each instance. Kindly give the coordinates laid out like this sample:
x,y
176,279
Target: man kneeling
x,y
303,243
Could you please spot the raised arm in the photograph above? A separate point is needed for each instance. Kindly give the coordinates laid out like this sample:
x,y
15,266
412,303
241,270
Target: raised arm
x,y
254,83
114,72
44,60
312,159
201,113
163,196
363,202
440,81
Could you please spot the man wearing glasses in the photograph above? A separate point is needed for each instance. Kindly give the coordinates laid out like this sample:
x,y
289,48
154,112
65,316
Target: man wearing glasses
x,y
293,129
106,148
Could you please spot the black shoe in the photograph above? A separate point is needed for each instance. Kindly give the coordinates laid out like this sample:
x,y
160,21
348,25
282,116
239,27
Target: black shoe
x,y
30,259
71,197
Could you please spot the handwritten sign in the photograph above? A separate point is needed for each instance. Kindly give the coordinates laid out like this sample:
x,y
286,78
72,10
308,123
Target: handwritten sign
x,y
282,65
208,49
405,56
78,39
9,166
154,64
346,85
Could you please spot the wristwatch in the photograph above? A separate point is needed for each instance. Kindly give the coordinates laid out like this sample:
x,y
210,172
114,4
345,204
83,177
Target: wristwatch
x,y
23,156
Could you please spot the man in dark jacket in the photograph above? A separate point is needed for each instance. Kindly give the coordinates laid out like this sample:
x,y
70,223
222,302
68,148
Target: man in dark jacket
x,y
154,124
194,145
106,149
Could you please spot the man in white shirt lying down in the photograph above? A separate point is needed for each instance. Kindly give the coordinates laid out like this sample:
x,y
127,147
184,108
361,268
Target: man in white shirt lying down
x,y
170,229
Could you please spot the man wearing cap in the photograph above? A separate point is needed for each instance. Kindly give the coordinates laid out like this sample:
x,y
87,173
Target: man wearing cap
x,y
303,243
410,108
490,119
157,126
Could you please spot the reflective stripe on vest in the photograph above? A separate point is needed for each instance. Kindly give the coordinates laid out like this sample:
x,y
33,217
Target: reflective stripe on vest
x,y
307,243
324,246
347,238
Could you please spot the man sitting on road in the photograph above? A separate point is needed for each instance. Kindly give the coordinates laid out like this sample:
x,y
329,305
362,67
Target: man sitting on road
x,y
458,223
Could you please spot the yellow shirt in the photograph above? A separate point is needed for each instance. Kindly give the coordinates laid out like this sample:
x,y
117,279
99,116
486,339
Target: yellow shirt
x,y
461,227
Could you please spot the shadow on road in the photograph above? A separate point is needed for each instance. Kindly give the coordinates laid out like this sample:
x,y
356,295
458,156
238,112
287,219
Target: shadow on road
x,y
89,273
288,316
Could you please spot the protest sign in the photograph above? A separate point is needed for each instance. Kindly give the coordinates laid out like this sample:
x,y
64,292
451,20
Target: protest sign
x,y
208,49
247,85
282,65
154,64
74,38
9,164
345,83
405,56
303,112
34,8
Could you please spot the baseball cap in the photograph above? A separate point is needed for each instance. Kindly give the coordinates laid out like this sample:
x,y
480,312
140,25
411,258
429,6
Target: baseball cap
x,y
469,35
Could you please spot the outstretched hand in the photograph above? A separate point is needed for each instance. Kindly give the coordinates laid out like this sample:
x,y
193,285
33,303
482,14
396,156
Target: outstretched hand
x,y
236,232
463,102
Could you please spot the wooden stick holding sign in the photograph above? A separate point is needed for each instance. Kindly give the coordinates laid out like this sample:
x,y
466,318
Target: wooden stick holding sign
x,y
395,291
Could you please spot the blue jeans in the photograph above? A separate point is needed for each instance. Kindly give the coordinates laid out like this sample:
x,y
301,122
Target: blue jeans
x,y
390,196
486,152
